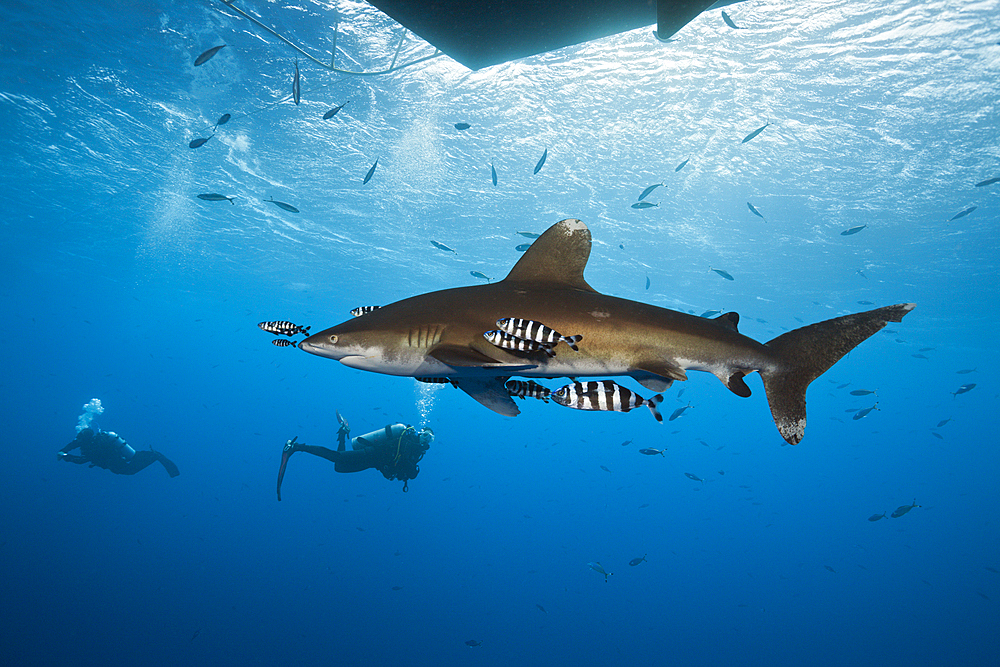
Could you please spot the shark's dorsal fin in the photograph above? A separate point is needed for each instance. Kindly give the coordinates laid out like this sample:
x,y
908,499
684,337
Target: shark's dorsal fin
x,y
728,320
558,256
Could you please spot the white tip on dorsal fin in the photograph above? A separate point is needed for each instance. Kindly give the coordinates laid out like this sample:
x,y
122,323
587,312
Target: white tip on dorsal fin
x,y
558,256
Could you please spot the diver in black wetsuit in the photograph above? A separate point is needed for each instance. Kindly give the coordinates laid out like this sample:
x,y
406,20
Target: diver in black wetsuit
x,y
108,450
394,451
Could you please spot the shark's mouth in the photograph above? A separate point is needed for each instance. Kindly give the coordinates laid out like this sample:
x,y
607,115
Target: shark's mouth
x,y
321,350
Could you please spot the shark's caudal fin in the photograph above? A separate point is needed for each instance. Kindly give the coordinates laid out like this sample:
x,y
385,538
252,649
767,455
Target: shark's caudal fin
x,y
804,354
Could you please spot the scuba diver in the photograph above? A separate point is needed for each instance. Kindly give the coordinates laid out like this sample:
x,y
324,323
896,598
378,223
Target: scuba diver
x,y
108,450
394,451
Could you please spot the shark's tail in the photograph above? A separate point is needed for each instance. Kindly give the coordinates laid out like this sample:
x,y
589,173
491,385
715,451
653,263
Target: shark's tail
x,y
804,354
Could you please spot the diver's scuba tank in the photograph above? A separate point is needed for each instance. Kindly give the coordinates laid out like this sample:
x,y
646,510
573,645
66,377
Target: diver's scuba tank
x,y
123,448
381,436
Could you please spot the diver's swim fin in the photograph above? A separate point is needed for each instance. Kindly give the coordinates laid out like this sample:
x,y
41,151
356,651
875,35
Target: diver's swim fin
x,y
169,465
286,454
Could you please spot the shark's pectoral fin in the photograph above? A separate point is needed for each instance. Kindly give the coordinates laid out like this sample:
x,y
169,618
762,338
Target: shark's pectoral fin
x,y
490,391
460,356
657,375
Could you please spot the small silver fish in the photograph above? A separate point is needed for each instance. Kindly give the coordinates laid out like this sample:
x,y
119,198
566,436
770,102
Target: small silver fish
x,y
334,111
282,205
755,132
371,172
963,389
863,392
529,235
441,246
681,165
493,174
636,561
213,196
207,55
479,274
903,509
597,567
864,412
649,451
988,181
754,210
538,167
876,517
722,273
643,204
694,477
962,214
678,412
729,21
462,126
522,247
647,191
296,88
852,230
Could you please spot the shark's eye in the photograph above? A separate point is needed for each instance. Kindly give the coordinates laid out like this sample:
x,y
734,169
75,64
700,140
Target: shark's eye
x,y
333,339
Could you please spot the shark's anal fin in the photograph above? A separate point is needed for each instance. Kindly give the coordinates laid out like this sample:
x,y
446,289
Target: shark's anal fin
x,y
490,391
737,385
460,356
657,375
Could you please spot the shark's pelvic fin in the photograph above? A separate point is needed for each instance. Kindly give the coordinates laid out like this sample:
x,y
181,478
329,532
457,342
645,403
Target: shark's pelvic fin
x,y
652,382
804,354
557,257
490,391
664,369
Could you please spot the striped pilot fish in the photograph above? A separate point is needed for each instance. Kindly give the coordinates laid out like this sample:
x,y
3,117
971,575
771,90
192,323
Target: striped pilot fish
x,y
282,342
604,395
509,342
435,380
527,389
282,328
363,310
536,331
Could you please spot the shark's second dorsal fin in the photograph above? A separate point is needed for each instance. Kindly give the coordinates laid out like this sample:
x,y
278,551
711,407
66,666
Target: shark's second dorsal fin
x,y
558,256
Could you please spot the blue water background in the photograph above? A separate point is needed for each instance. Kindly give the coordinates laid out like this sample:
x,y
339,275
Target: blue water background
x,y
119,284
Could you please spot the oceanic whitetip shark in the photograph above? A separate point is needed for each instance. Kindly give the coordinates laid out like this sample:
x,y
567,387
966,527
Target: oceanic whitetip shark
x,y
440,335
